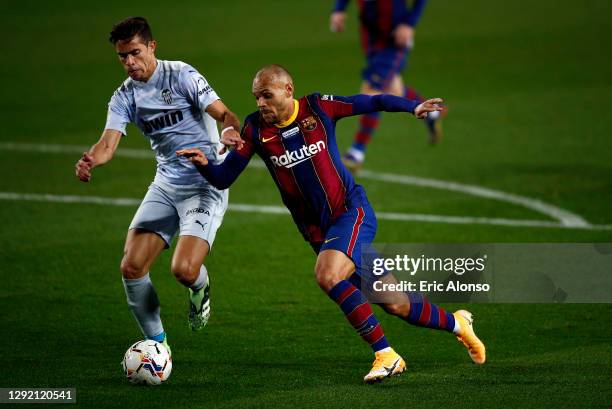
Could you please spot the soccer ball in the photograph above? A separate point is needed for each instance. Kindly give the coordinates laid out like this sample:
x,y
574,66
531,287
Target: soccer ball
x,y
147,362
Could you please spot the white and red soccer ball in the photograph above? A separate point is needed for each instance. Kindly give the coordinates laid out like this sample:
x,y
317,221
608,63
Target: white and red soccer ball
x,y
147,362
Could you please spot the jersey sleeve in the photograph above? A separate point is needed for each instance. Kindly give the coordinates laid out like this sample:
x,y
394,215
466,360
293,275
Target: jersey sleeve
x,y
224,174
119,112
195,88
337,107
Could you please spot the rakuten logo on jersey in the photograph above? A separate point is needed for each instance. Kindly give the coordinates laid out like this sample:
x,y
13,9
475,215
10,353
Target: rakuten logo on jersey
x,y
292,158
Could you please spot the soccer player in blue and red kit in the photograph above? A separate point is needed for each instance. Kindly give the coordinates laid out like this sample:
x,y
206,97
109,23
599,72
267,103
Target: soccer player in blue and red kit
x,y
387,38
296,140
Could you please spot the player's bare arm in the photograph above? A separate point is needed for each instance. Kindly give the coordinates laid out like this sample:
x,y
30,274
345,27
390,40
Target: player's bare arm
x,y
98,155
230,135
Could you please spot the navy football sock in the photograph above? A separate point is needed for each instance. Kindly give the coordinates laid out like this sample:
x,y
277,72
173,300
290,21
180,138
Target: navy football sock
x,y
359,313
425,314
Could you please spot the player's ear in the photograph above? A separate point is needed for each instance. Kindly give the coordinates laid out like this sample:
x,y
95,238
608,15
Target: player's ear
x,y
289,89
152,45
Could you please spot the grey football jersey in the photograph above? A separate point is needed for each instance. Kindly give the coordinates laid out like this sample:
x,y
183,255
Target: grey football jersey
x,y
169,110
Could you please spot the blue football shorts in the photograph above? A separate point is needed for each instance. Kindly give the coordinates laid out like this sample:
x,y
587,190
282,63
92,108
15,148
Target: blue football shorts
x,y
382,65
350,233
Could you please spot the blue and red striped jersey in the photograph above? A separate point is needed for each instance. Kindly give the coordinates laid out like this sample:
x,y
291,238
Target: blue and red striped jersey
x,y
304,160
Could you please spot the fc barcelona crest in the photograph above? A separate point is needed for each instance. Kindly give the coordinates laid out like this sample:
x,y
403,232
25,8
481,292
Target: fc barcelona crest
x,y
309,123
167,96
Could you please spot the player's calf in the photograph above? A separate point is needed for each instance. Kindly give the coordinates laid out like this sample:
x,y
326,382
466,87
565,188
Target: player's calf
x,y
397,309
144,305
423,313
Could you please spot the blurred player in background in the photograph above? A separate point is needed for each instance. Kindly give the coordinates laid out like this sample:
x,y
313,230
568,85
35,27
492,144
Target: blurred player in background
x,y
174,107
387,38
296,140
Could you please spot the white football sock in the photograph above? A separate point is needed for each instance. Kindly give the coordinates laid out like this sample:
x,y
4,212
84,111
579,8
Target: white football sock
x,y
144,304
200,282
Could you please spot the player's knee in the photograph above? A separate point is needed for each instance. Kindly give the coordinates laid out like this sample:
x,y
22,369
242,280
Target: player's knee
x,y
326,278
185,272
400,310
131,270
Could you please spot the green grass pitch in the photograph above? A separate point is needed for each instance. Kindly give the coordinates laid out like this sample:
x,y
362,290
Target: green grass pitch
x,y
528,85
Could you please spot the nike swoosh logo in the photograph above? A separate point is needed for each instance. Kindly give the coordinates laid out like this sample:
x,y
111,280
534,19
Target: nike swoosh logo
x,y
332,239
264,140
390,370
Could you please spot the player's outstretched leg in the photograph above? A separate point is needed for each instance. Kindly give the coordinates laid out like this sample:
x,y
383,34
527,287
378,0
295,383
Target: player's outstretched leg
x,y
144,304
434,125
141,249
433,120
332,271
467,336
426,314
422,313
188,268
358,312
199,301
354,157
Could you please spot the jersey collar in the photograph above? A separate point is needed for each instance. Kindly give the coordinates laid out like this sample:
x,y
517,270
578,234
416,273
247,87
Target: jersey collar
x,y
296,108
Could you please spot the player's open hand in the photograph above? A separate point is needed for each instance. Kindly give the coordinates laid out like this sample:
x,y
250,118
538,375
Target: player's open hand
x,y
83,167
431,105
231,139
193,155
337,21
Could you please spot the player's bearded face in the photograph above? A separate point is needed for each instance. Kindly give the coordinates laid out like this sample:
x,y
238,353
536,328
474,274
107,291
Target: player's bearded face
x,y
137,58
274,100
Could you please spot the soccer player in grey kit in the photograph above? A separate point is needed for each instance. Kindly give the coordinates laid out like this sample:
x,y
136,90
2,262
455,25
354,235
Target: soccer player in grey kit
x,y
175,108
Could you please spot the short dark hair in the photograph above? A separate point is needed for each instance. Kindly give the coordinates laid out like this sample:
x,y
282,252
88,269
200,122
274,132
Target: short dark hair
x,y
129,28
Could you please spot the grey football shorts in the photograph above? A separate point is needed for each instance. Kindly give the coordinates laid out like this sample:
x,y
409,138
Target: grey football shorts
x,y
190,210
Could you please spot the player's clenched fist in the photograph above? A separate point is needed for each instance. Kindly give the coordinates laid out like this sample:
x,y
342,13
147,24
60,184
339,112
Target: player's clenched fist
x,y
431,105
194,155
83,167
